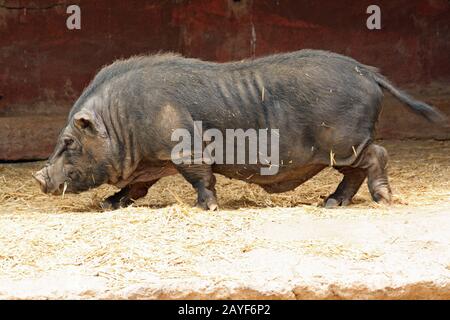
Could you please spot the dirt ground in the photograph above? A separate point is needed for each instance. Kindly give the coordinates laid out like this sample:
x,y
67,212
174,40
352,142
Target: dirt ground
x,y
257,246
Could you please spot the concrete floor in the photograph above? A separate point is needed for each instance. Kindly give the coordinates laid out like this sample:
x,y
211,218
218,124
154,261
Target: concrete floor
x,y
293,254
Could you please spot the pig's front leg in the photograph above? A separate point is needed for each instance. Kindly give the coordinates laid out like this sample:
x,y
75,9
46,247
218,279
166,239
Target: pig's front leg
x,y
203,180
126,196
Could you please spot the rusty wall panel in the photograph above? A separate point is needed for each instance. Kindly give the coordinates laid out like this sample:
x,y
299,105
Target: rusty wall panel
x,y
44,66
412,47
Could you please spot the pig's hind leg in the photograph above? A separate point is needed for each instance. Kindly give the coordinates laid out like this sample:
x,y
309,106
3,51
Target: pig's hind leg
x,y
349,186
200,176
374,160
127,195
371,163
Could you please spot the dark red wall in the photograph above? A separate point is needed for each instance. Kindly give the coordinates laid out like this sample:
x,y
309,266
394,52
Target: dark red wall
x,y
44,66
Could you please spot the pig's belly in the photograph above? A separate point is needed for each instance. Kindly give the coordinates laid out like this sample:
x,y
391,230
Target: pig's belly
x,y
146,173
288,177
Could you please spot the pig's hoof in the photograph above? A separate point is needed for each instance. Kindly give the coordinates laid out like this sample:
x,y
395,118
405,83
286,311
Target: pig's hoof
x,y
207,200
332,203
208,204
383,197
213,207
109,204
336,202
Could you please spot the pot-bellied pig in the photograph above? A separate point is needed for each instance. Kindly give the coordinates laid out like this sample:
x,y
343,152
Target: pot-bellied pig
x,y
320,106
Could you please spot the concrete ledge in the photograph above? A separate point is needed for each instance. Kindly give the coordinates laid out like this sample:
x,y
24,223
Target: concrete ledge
x,y
297,253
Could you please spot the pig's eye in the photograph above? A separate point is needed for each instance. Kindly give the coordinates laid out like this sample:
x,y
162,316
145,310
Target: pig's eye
x,y
72,174
68,142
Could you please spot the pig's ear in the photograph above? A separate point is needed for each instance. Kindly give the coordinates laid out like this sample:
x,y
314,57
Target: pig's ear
x,y
84,122
87,122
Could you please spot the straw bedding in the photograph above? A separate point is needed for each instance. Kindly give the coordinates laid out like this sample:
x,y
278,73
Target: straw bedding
x,y
162,235
419,173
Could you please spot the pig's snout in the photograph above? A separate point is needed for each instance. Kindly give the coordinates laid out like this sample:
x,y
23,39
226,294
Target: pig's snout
x,y
47,184
40,178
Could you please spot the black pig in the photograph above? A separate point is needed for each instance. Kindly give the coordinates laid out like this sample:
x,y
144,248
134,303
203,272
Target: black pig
x,y
325,106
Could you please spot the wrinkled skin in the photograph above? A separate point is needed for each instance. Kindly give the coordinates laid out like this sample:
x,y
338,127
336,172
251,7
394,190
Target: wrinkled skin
x,y
119,130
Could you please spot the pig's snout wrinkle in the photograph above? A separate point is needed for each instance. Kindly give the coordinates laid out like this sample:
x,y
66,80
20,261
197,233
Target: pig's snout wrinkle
x,y
39,177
